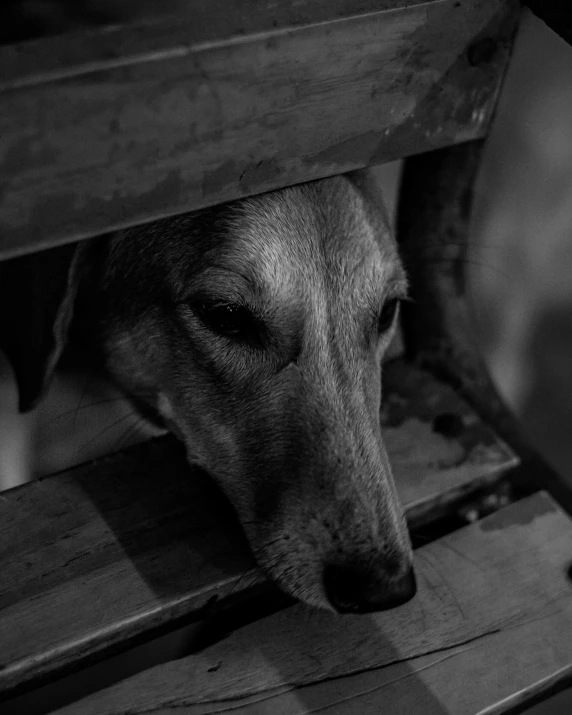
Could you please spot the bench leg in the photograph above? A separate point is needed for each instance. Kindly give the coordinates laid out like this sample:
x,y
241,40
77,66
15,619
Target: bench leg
x,y
433,225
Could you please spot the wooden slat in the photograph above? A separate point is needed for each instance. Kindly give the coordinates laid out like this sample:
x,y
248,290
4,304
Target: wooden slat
x,y
440,450
93,556
137,27
122,126
489,628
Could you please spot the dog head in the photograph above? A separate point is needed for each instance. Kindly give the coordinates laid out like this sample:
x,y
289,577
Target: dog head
x,y
255,332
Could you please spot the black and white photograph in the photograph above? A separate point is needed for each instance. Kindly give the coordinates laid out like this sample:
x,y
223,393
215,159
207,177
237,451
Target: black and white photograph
x,y
285,357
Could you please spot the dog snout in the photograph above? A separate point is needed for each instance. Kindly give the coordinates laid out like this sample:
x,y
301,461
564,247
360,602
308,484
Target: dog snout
x,y
357,589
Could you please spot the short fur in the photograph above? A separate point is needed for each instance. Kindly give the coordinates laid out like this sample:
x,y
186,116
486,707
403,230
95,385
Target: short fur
x,y
287,424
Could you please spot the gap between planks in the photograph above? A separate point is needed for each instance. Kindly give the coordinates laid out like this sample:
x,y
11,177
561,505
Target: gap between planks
x,y
118,547
488,629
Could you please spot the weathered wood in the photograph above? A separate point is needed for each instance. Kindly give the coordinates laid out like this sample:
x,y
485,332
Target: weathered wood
x,y
439,451
91,557
170,22
119,126
433,230
489,628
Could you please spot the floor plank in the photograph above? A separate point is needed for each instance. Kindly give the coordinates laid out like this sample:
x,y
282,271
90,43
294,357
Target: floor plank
x,y
489,627
117,547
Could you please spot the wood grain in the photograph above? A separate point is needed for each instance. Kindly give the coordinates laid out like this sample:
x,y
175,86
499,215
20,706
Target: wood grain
x,y
489,627
106,551
121,126
440,451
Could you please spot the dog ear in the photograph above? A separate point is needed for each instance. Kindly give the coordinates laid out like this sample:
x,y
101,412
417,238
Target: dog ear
x,y
37,294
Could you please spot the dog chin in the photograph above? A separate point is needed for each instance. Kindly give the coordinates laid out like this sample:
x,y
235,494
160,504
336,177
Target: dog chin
x,y
311,599
303,588
294,580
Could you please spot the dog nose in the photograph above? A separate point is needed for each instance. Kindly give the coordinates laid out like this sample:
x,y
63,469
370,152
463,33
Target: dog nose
x,y
352,589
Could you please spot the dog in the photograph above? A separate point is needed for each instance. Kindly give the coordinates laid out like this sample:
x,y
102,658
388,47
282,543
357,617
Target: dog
x,y
254,331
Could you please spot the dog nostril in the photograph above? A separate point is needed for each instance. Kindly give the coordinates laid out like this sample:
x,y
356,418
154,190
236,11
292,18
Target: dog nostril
x,y
352,589
403,590
342,587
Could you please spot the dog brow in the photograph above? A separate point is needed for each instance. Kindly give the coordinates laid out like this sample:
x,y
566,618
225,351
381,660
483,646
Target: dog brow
x,y
376,278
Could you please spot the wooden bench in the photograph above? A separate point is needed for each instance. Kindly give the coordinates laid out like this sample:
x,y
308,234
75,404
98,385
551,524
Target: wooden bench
x,y
123,125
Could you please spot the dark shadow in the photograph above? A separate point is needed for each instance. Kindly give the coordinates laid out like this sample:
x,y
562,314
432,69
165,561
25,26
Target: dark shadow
x,y
547,412
333,664
178,531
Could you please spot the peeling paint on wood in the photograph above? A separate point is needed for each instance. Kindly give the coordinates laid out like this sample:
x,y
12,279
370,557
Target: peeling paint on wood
x,y
521,514
433,470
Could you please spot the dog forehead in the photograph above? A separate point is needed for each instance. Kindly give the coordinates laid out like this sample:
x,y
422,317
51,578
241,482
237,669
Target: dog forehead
x,y
308,234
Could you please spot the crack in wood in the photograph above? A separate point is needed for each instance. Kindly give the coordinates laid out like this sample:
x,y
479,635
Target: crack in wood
x,y
268,693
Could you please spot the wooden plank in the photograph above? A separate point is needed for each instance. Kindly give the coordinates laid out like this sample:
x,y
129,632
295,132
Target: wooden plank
x,y
160,26
440,450
106,551
119,126
489,627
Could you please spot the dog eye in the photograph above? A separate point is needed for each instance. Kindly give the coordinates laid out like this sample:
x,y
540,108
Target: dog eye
x,y
229,320
387,315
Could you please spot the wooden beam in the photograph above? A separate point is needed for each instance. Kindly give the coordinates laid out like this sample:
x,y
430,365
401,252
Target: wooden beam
x,y
125,125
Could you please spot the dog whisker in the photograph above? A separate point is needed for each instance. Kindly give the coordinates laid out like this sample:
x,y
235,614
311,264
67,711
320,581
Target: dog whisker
x,y
104,431
251,324
92,405
255,553
464,261
240,580
254,522
128,434
83,393
446,244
